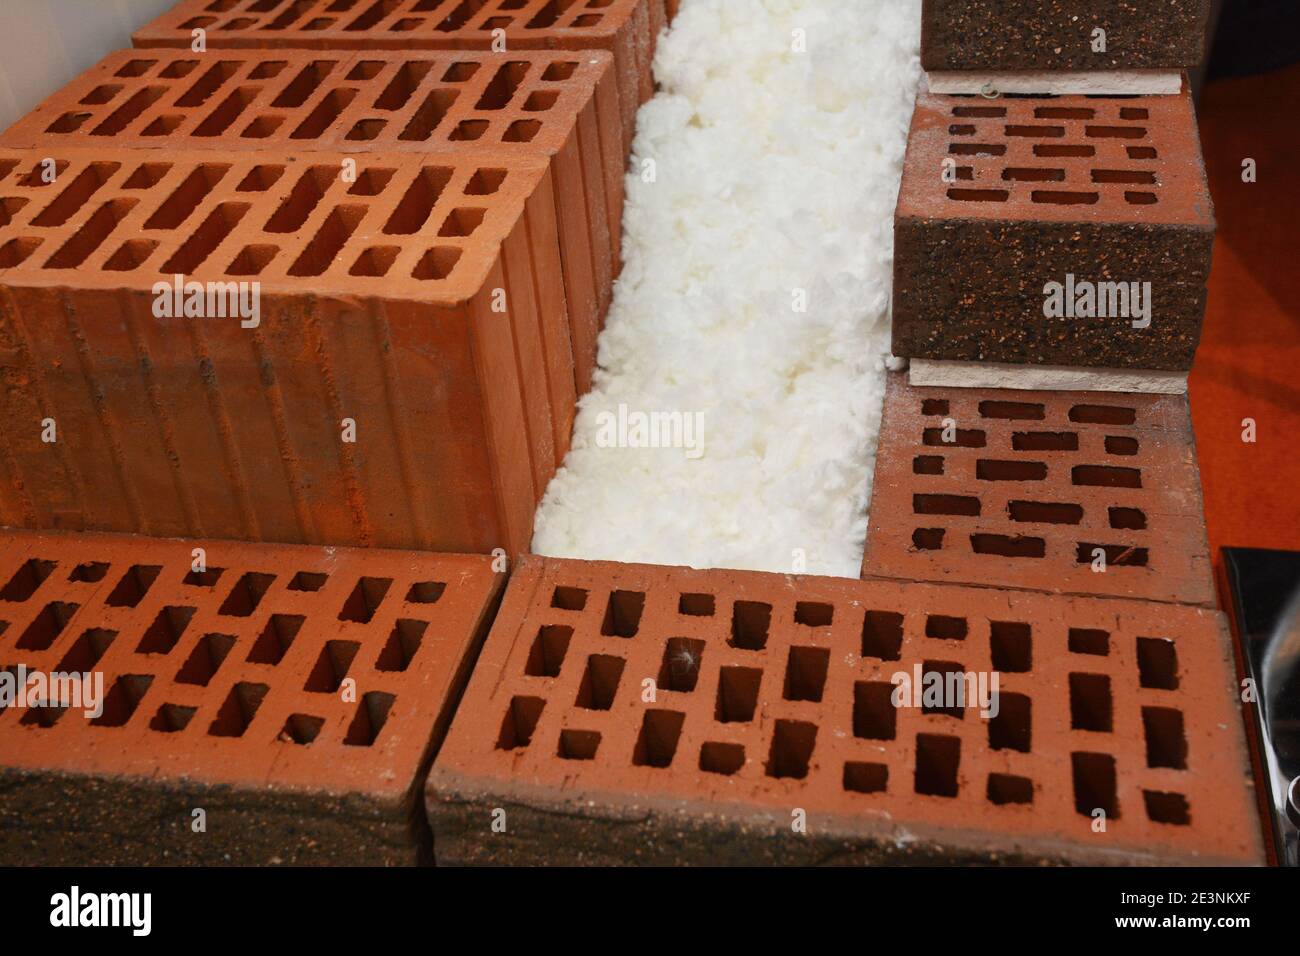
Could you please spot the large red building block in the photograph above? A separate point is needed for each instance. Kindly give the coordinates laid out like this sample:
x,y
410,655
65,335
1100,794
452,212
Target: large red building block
x,y
1023,489
636,714
294,695
408,382
1001,198
626,28
560,105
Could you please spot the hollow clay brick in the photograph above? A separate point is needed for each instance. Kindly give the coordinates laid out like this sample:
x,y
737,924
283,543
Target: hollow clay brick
x,y
626,28
228,691
1105,189
1058,34
377,305
1018,489
559,105
768,710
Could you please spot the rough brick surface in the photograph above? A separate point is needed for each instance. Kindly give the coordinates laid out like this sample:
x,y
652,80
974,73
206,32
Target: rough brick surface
x,y
226,690
1018,489
377,305
772,695
555,104
1058,34
1106,189
626,28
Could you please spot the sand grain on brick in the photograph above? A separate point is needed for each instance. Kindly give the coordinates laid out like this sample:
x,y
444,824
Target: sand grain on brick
x,y
224,690
773,692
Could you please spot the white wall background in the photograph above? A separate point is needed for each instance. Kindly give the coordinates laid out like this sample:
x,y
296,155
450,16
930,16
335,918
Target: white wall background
x,y
45,43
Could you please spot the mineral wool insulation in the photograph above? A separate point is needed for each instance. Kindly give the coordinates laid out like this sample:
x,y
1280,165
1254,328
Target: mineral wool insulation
x,y
752,311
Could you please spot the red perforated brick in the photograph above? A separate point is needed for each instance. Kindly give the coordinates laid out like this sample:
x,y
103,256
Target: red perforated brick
x,y
1001,197
293,694
378,305
626,28
1021,489
560,105
1058,34
772,696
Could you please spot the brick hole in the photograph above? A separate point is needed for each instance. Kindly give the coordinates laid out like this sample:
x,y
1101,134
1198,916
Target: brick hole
x,y
1011,646
425,120
165,631
263,127
522,131
1121,445
937,760
259,179
600,682
123,699
485,182
333,234
203,579
1064,197
501,89
547,15
696,605
1064,112
793,742
462,222
945,628
750,621
578,744
92,235
467,131
961,129
1033,174
86,651
805,673
680,668
1012,410
47,626
302,200
425,592
129,111
367,594
131,255
268,70
874,714
464,72
979,195
1044,512
29,576
977,149
657,742
1103,414
1133,113
205,660
275,639
1169,808
1157,663
928,539
369,69
988,469
301,729
252,261
558,72
366,130
133,586
237,710
980,111
400,648
17,251
307,581
569,599
1106,476
1063,151
1094,784
1088,640
146,176
1090,703
623,614
1115,132
927,465
246,595
1005,788
43,715
882,635
178,207
224,116
934,406
540,100
720,758
546,656
371,715
437,263
814,613
9,207
1012,728
172,718
1166,740
1141,152
586,20
519,723
198,23
961,438
1128,519
135,68
945,505
375,261
303,85
1008,546
1123,176
1035,132
457,18
163,125
102,94
331,667
417,203
863,777
952,684
241,23
1117,555
35,178
407,24
737,694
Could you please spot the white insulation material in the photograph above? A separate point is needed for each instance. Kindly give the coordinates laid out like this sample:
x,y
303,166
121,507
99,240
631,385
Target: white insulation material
x,y
734,416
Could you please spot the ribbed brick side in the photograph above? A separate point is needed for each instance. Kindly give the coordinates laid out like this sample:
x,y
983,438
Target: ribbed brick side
x,y
293,694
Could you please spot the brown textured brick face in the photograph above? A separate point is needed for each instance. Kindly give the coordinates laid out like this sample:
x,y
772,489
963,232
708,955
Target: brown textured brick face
x,y
1106,189
626,28
1058,34
377,305
1019,489
772,694
554,104
225,690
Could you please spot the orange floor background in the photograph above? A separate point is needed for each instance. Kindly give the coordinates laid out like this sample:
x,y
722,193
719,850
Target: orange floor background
x,y
1248,365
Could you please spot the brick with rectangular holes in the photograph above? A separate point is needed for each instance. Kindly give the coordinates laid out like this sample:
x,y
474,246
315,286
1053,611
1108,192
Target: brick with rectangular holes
x,y
1079,492
997,35
1068,230
292,694
626,28
627,713
559,105
407,381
